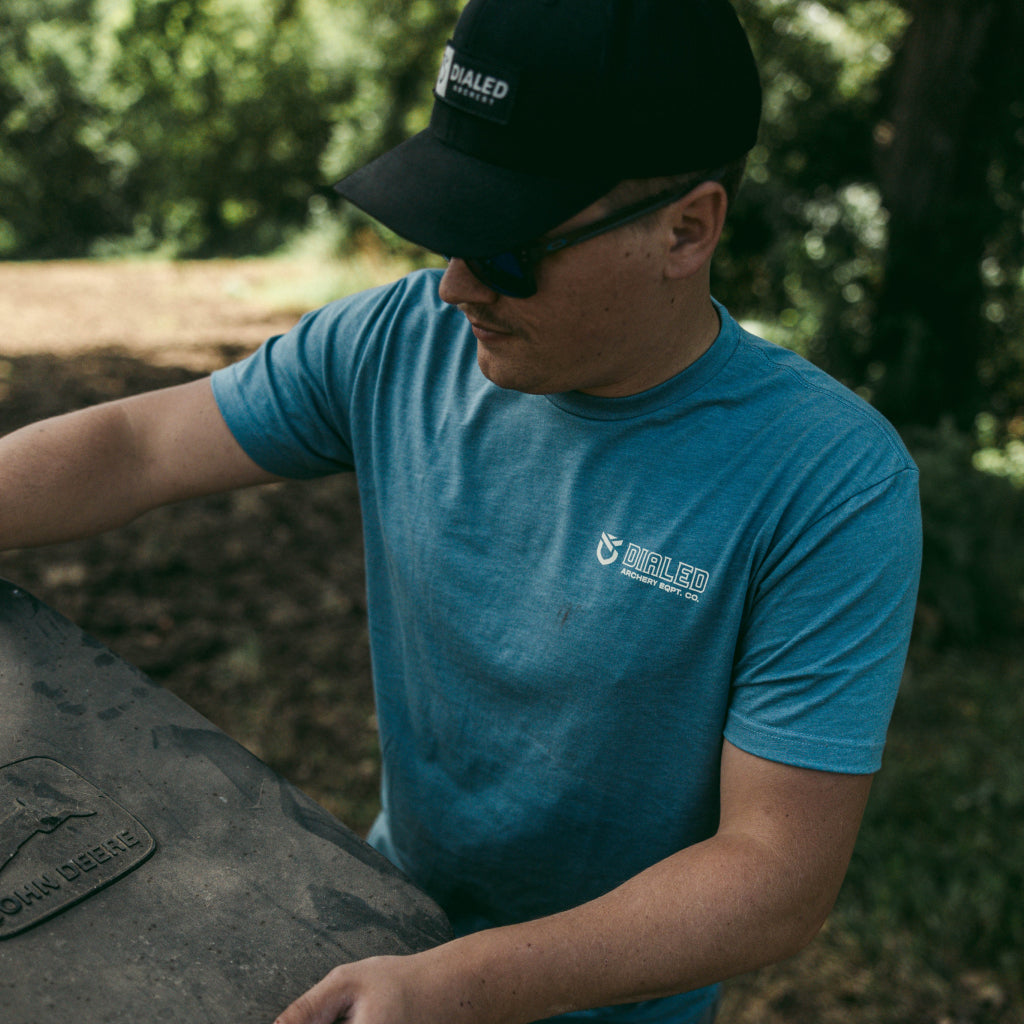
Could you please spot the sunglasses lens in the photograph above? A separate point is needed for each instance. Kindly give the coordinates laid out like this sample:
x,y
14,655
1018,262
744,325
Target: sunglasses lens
x,y
506,273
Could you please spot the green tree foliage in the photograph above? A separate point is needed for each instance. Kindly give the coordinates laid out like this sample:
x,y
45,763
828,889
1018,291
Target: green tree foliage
x,y
197,124
223,108
53,183
808,233
392,92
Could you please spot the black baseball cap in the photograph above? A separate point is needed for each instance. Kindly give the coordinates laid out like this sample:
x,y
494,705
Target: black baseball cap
x,y
542,106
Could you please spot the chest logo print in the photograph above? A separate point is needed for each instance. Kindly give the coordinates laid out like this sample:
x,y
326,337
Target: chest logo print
x,y
642,565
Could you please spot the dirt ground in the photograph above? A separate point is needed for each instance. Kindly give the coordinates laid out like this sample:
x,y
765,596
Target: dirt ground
x,y
168,314
251,606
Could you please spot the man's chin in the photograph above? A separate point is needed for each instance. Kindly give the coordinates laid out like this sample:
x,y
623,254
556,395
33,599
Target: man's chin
x,y
510,378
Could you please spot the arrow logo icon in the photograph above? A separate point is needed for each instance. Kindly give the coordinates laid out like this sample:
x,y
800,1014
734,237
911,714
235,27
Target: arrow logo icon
x,y
608,548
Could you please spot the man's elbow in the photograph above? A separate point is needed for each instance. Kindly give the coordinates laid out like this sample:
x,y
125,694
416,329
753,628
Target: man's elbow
x,y
800,920
800,899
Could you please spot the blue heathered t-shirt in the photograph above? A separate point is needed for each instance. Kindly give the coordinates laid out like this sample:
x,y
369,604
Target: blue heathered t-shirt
x,y
573,599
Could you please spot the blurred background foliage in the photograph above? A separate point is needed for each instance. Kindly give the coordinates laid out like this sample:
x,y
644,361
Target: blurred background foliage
x,y
196,127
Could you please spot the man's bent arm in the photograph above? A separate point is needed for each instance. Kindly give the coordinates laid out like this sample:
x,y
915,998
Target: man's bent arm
x,y
753,894
88,471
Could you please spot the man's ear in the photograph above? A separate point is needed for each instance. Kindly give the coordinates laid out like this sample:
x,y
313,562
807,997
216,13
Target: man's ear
x,y
696,222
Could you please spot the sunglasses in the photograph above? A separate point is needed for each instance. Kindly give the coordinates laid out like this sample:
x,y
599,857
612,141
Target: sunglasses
x,y
512,273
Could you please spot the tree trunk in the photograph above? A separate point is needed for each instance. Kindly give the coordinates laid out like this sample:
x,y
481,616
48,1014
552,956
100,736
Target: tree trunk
x,y
948,101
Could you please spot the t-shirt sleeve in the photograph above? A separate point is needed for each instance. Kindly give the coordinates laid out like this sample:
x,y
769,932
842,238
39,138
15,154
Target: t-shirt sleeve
x,y
290,404
278,406
825,636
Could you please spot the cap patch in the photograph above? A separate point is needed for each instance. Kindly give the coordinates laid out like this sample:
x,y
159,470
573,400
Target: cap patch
x,y
466,84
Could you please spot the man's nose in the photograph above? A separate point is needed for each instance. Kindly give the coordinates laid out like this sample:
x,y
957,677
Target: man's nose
x,y
459,284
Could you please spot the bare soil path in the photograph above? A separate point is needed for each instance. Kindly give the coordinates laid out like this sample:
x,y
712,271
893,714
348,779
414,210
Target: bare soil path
x,y
168,313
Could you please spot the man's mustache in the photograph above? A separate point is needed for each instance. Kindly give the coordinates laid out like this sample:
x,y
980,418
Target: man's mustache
x,y
484,317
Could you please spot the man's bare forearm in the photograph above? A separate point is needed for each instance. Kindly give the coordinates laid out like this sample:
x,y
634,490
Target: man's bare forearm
x,y
713,912
67,477
710,913
90,471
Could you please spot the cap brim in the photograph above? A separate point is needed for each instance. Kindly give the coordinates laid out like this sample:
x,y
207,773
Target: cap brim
x,y
455,204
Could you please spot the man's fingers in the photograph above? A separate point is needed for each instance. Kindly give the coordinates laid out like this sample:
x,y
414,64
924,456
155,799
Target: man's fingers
x,y
326,1002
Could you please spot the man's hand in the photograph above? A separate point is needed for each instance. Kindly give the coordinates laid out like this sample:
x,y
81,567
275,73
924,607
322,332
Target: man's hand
x,y
337,997
380,990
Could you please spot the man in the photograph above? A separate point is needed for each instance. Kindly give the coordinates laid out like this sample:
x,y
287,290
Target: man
x,y
640,583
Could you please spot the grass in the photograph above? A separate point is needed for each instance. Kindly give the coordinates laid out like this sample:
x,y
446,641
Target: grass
x,y
940,861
